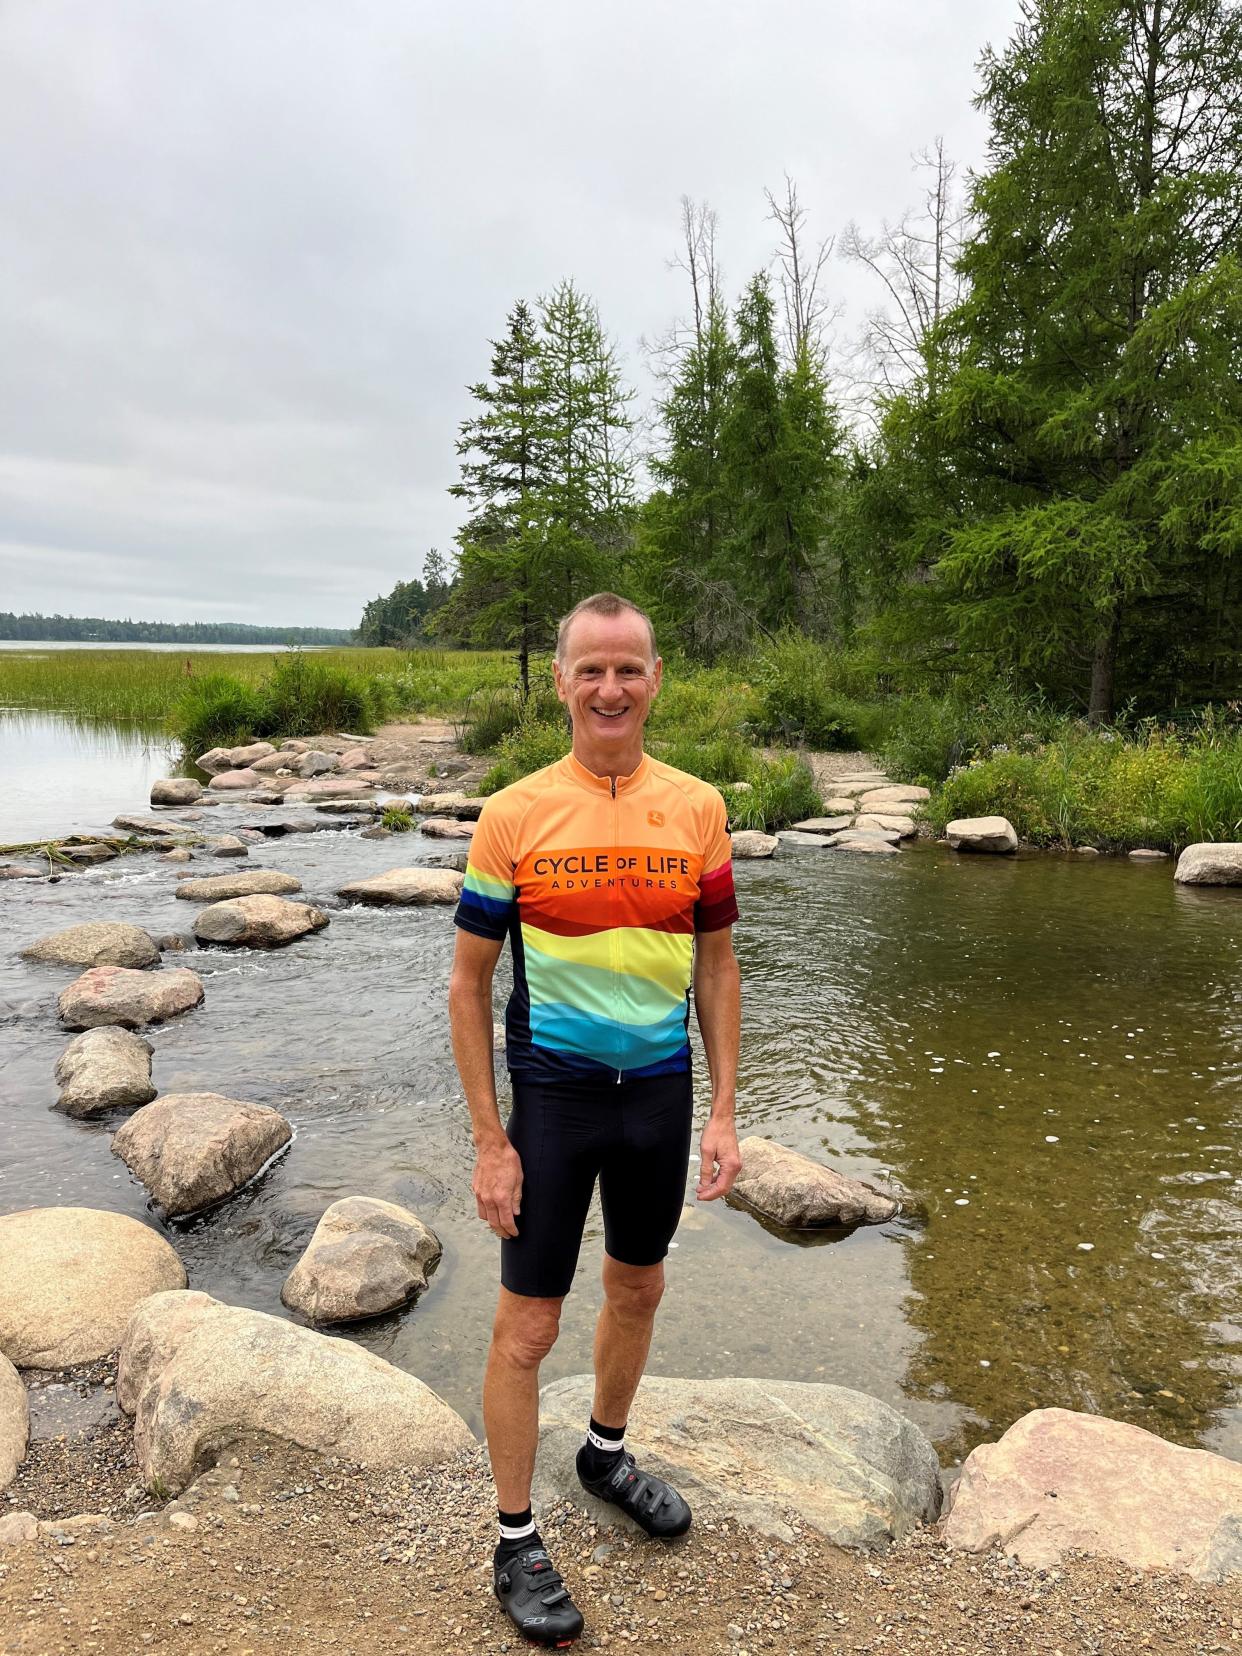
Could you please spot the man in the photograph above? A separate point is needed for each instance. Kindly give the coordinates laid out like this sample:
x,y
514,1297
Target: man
x,y
611,875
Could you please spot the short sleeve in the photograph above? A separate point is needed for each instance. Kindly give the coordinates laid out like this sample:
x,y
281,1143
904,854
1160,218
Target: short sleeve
x,y
488,900
716,907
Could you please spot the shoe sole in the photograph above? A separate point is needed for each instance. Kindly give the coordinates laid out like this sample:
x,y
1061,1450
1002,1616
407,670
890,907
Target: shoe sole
x,y
553,1642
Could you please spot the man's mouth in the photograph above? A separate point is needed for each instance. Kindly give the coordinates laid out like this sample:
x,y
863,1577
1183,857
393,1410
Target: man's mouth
x,y
610,713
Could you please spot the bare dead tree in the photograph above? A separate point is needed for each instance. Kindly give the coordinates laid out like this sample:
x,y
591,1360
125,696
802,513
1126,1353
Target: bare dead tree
x,y
697,257
914,261
807,311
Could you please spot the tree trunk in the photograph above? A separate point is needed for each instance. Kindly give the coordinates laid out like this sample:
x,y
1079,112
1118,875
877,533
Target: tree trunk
x,y
1104,669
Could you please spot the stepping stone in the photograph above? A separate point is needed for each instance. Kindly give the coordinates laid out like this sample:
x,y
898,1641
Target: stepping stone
x,y
405,887
116,995
792,836
750,843
902,826
367,1257
156,826
261,922
448,828
881,844
194,1150
823,824
104,1069
228,845
96,943
176,790
256,882
877,798
843,804
452,804
990,834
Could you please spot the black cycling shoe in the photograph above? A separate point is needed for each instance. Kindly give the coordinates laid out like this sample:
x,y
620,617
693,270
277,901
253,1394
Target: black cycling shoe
x,y
654,1505
536,1600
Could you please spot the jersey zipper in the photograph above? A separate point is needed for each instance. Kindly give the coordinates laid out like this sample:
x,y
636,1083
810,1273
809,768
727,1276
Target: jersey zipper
x,y
616,930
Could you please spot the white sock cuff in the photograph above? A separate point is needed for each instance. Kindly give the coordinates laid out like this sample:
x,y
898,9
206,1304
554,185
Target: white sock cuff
x,y
517,1532
607,1445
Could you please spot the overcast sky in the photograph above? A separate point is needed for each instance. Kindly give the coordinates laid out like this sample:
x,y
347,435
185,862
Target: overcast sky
x,y
253,250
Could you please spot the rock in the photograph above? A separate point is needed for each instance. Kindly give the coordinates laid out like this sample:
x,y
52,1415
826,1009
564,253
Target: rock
x,y
1087,851
96,943
376,831
176,790
197,1375
1213,863
902,826
14,1422
1058,1481
16,1527
178,854
87,853
314,763
228,845
846,788
71,1278
241,758
823,824
261,922
798,1193
116,995
193,1150
793,836
749,842
892,795
842,803
266,796
405,886
365,1258
986,834
447,828
155,827
257,882
844,1463
232,781
332,787
455,860
274,764
104,1069
215,759
343,807
354,759
1145,854
865,839
21,871
451,805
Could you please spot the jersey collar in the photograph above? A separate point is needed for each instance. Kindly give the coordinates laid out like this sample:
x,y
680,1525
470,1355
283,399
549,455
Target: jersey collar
x,y
576,770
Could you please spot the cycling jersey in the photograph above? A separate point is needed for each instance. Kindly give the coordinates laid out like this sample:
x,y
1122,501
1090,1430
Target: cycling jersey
x,y
600,886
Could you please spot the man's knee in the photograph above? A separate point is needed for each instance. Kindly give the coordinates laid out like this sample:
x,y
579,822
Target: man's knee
x,y
525,1329
633,1292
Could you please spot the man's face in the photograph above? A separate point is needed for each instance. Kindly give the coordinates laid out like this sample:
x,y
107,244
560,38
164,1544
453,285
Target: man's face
x,y
609,680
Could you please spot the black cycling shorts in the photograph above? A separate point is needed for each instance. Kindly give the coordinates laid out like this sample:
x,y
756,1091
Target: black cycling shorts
x,y
633,1136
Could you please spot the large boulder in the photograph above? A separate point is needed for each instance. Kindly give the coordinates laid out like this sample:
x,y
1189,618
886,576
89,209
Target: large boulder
x,y
365,1258
1213,863
236,781
452,805
117,995
176,790
1059,1481
14,1422
215,759
993,834
274,765
197,1375
758,1451
257,922
902,826
240,758
104,1069
450,828
750,843
797,1193
193,1150
256,882
96,943
876,799
315,763
405,886
71,1278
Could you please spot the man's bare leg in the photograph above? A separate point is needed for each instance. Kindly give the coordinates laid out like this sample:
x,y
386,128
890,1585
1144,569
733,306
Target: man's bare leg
x,y
632,1294
524,1332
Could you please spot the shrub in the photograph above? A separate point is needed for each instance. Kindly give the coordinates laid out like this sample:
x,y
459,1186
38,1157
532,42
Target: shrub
x,y
532,745
218,711
491,714
931,735
807,692
781,791
398,819
300,697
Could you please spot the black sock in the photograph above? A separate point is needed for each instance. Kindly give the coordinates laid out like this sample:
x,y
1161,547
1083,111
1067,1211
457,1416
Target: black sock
x,y
602,1449
517,1532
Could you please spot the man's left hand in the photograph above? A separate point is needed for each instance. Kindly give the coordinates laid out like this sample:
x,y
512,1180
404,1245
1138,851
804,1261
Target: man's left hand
x,y
720,1160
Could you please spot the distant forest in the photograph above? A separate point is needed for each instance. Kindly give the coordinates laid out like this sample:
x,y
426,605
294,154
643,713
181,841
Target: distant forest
x,y
90,629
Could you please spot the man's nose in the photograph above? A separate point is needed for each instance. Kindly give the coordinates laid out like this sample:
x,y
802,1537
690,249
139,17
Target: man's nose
x,y
612,684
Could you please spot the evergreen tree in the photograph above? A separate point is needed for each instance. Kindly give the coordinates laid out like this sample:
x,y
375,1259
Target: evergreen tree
x,y
1071,486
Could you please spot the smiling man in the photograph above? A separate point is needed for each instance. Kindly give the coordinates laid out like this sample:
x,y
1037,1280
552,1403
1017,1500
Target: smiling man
x,y
610,874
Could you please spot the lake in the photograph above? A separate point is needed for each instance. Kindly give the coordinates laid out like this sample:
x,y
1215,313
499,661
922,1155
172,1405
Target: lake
x,y
1043,1052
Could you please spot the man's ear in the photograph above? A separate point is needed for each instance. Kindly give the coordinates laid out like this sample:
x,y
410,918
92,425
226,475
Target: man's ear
x,y
657,676
558,679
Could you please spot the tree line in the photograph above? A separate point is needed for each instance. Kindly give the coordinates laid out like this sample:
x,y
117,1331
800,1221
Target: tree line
x,y
1027,465
88,629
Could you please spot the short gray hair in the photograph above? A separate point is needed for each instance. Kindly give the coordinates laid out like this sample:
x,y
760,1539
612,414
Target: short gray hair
x,y
606,604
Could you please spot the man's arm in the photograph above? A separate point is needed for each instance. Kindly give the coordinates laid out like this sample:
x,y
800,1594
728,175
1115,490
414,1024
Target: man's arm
x,y
718,1005
497,1182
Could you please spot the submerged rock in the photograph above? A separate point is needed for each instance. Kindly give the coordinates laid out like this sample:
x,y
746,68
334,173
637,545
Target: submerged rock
x,y
405,886
116,995
155,827
176,790
21,871
71,1278
197,1375
749,842
1058,1481
798,1193
757,1450
193,1150
104,1069
96,943
365,1258
178,854
1211,863
994,834
261,922
14,1422
257,882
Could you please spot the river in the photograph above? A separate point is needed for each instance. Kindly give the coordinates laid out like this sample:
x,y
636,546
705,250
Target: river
x,y
1045,1053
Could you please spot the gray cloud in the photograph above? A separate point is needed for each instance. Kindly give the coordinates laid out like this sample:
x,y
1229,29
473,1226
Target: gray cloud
x,y
253,253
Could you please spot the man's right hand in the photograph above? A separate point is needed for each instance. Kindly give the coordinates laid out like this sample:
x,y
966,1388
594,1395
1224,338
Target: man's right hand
x,y
497,1186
